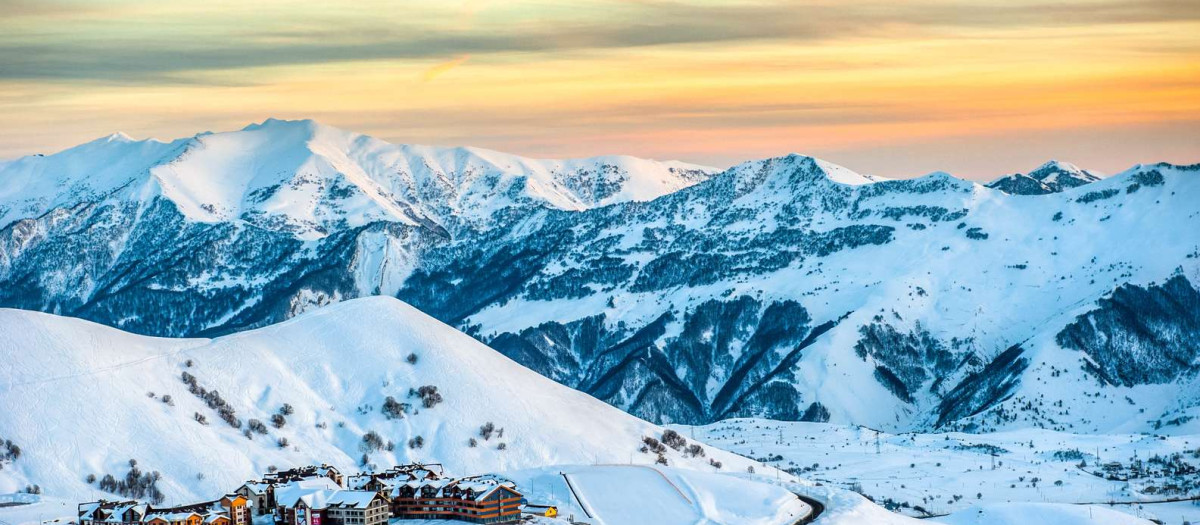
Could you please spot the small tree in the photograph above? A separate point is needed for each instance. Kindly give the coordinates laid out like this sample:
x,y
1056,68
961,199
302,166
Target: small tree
x,y
168,400
412,359
472,443
416,442
287,410
650,444
502,446
429,396
278,421
672,439
393,409
486,430
283,442
371,442
91,478
200,418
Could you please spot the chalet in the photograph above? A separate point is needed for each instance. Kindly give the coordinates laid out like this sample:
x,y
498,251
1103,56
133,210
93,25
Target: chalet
x,y
174,518
305,472
332,507
285,495
386,481
111,513
229,510
259,494
478,499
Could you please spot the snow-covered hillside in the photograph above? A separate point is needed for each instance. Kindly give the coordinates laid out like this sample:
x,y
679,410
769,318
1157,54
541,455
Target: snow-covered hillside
x,y
80,398
788,288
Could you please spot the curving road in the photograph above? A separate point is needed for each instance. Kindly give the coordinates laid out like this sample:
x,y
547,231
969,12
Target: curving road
x,y
816,506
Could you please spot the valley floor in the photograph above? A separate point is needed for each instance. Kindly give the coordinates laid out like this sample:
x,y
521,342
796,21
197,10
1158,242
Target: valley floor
x,y
935,474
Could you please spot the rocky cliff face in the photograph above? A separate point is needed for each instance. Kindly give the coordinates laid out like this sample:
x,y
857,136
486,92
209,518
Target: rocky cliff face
x,y
787,288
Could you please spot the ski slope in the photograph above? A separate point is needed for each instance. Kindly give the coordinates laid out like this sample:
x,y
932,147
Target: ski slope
x,y
606,492
81,399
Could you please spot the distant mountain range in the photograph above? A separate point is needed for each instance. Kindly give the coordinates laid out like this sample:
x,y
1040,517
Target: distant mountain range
x,y
787,288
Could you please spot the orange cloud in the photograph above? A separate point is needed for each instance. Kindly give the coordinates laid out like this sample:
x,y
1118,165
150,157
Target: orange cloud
x,y
440,69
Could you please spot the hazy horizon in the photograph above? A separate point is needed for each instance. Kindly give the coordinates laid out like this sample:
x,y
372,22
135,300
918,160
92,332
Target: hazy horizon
x,y
977,89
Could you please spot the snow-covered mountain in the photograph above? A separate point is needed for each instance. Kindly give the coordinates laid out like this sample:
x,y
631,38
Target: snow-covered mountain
x,y
81,398
309,180
1051,177
787,288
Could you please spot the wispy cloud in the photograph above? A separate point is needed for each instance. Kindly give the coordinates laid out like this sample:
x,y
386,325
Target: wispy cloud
x,y
152,47
702,80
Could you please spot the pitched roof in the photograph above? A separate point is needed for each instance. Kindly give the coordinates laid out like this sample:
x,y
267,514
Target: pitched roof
x,y
323,498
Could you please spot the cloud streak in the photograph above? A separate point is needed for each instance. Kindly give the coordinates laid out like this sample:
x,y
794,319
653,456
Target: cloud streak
x,y
42,46
441,69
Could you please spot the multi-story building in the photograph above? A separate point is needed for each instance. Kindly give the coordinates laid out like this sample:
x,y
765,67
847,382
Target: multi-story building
x,y
331,507
231,509
478,499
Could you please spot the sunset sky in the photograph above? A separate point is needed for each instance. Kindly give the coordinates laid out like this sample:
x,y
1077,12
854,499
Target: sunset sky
x,y
898,89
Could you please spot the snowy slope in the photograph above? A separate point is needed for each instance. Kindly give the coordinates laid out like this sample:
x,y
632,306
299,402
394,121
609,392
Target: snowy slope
x,y
656,495
919,474
77,399
773,290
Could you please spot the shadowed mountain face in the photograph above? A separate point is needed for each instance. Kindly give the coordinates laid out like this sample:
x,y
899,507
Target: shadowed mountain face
x,y
787,288
1051,177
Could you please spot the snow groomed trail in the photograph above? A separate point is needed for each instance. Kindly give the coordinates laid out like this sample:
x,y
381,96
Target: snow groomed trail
x,y
617,495
641,494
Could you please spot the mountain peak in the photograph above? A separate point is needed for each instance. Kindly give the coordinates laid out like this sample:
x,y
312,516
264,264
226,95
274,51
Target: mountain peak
x,y
1051,177
272,122
1056,166
119,136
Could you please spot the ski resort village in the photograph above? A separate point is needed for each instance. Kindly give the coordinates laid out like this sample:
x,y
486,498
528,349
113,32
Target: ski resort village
x,y
314,495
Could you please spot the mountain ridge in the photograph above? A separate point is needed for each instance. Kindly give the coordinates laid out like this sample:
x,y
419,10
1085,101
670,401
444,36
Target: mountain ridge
x,y
786,287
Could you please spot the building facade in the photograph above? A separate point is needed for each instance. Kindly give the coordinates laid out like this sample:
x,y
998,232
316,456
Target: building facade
x,y
331,507
480,499
231,509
